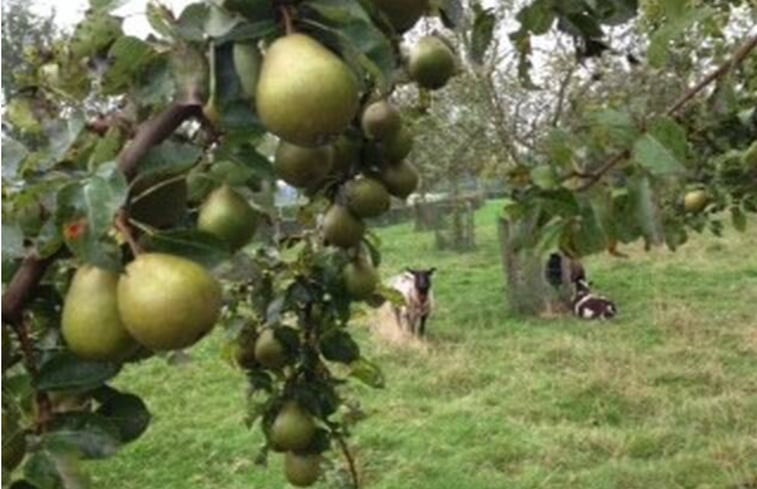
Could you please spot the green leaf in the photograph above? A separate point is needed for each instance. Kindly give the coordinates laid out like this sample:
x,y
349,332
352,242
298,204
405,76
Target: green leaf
x,y
654,156
129,56
252,9
219,21
94,35
13,241
195,245
168,159
671,135
13,153
537,17
367,372
128,413
46,469
236,114
190,25
64,371
645,208
106,5
62,134
91,435
677,24
391,294
160,19
482,34
544,177
338,346
614,127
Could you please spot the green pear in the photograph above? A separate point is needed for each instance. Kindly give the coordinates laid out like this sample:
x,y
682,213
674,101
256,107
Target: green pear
x,y
431,63
90,321
302,469
380,120
306,94
300,166
293,428
360,278
367,197
227,215
269,351
341,228
401,179
398,146
168,302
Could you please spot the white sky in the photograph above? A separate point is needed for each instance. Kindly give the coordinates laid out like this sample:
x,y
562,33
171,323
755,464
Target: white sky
x,y
69,12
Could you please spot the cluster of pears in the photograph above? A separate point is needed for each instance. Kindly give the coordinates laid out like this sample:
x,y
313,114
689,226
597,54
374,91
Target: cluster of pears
x,y
292,429
308,97
160,301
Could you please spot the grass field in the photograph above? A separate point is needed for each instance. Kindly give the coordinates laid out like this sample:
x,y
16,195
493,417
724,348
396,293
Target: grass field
x,y
665,396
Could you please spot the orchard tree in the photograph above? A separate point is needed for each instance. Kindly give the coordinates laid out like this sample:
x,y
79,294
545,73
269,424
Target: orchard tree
x,y
130,181
644,129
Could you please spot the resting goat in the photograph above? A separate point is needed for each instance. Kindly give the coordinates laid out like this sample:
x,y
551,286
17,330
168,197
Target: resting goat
x,y
589,306
415,287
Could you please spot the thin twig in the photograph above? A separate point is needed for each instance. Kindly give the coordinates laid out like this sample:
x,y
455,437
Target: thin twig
x,y
350,460
124,227
737,57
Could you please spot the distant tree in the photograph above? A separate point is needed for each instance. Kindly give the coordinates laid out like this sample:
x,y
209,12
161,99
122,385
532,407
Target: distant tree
x,y
24,32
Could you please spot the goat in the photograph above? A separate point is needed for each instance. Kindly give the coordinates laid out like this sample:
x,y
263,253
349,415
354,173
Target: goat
x,y
415,287
589,306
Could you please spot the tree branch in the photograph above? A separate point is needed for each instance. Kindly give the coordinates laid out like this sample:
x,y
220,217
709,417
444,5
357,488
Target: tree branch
x,y
561,93
737,57
149,133
350,460
152,132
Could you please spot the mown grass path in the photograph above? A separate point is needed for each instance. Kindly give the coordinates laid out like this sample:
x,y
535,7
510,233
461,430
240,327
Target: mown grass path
x,y
665,396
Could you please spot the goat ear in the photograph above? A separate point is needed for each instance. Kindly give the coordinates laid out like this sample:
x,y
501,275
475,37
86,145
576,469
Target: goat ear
x,y
409,270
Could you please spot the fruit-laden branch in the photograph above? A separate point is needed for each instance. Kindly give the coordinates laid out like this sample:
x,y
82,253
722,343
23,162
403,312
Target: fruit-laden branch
x,y
148,134
738,56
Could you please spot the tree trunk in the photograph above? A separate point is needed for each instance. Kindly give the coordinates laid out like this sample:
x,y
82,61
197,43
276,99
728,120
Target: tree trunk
x,y
527,290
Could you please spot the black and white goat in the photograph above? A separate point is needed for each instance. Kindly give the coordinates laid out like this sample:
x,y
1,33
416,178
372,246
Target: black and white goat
x,y
415,287
586,305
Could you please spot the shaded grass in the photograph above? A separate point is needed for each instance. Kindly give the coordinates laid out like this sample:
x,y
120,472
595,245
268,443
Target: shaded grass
x,y
663,397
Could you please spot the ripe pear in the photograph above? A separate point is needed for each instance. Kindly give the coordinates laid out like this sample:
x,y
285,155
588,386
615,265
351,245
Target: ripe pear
x,y
167,302
292,429
695,200
401,179
380,120
367,197
431,63
398,146
269,351
403,14
302,167
157,202
302,469
306,94
227,215
14,441
360,278
247,61
340,228
90,321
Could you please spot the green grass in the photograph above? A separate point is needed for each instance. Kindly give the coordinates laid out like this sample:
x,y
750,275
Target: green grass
x,y
665,396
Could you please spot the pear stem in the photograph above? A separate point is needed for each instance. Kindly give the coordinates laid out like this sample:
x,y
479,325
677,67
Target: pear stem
x,y
123,226
287,18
